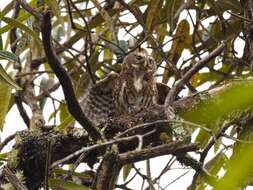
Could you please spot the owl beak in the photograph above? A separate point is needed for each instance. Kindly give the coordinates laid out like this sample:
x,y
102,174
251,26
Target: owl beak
x,y
145,63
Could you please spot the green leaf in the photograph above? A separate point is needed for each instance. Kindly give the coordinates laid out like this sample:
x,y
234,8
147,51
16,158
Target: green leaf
x,y
53,115
126,171
182,41
219,35
84,175
55,183
216,163
183,37
240,172
7,27
229,101
231,97
8,7
232,5
11,102
6,79
213,167
8,56
173,10
4,156
64,113
16,23
66,123
5,96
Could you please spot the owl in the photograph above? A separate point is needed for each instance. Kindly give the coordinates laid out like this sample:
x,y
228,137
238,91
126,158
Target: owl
x,y
126,93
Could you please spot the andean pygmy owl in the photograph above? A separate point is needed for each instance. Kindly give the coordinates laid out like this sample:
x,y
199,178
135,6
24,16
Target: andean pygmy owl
x,y
129,92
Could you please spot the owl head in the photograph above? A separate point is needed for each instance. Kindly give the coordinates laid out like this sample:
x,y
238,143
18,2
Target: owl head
x,y
138,61
140,70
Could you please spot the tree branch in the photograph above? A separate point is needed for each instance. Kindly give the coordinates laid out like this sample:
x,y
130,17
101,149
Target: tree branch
x,y
29,9
194,69
165,149
64,79
6,141
95,147
17,184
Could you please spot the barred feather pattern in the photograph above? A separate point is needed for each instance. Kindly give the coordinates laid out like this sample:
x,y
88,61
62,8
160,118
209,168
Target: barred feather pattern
x,y
98,106
97,103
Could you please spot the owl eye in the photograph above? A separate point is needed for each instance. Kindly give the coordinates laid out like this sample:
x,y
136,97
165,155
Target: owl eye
x,y
139,57
150,64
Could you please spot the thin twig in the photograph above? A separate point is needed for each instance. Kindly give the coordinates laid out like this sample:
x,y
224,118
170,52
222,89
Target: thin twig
x,y
70,172
18,95
165,121
93,147
149,179
6,141
87,39
20,75
173,181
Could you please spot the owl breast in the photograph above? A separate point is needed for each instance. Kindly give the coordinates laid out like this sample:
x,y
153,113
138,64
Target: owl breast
x,y
131,95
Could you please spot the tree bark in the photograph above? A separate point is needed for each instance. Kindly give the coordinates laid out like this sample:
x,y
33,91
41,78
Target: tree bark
x,y
107,173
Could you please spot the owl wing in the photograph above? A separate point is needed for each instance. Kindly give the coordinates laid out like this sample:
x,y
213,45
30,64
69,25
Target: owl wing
x,y
97,103
163,90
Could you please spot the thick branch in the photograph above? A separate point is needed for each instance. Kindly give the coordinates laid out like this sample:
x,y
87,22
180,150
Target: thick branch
x,y
94,147
32,152
64,79
186,160
147,153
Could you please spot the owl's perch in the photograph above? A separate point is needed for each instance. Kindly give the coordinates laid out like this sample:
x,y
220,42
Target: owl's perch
x,y
32,147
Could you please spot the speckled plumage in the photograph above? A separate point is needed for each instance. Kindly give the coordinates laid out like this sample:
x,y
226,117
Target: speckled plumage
x,y
135,88
121,94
